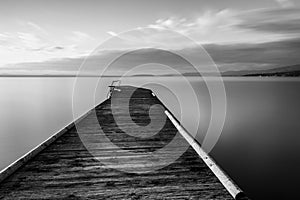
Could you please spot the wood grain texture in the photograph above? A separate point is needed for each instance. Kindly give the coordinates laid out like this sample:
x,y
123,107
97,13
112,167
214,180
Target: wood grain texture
x,y
67,170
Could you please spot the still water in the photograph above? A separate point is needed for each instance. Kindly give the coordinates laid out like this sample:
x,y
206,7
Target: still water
x,y
259,145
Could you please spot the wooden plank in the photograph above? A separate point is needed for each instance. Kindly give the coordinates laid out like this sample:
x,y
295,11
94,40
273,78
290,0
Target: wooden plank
x,y
67,170
228,183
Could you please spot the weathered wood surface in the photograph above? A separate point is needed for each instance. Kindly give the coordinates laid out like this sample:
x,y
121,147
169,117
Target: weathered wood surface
x,y
67,170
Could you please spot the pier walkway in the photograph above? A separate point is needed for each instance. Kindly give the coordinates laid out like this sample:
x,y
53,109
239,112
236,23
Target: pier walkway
x,y
64,168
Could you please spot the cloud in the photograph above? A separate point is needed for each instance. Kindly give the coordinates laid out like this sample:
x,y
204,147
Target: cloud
x,y
4,39
285,3
34,43
235,40
282,21
227,56
95,63
27,41
80,42
208,27
274,54
37,28
231,26
31,41
112,33
32,37
80,37
202,24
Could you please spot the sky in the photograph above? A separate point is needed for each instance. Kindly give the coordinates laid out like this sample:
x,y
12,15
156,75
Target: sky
x,y
54,37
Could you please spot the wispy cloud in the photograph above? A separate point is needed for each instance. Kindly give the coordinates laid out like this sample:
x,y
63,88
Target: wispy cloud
x,y
30,41
112,33
285,3
34,43
199,27
80,37
37,28
31,38
204,23
232,26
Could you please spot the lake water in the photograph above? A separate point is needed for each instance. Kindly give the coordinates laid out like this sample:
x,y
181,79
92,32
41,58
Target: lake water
x,y
259,145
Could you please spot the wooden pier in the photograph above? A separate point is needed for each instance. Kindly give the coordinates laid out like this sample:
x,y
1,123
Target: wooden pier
x,y
64,168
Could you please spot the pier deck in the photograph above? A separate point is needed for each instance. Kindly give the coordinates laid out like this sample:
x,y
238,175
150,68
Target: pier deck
x,y
67,169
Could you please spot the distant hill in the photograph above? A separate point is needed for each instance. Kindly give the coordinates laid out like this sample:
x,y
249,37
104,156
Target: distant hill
x,y
142,75
289,71
292,71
